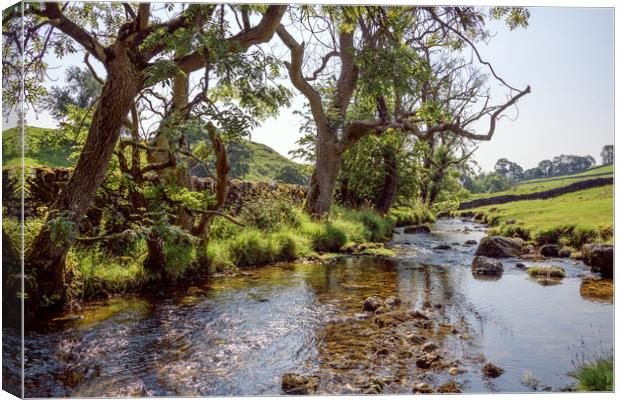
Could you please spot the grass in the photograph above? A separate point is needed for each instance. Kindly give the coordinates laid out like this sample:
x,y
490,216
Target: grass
x,y
547,271
381,252
594,373
571,219
403,216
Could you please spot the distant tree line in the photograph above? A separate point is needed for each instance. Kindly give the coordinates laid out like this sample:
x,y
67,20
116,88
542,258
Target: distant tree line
x,y
507,172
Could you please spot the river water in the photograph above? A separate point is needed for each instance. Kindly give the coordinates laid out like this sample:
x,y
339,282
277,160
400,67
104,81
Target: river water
x,y
239,335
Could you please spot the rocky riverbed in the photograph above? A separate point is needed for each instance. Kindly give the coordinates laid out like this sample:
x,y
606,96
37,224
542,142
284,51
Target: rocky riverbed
x,y
422,321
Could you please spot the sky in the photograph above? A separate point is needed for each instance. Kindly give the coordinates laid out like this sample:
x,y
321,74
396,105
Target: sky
x,y
565,55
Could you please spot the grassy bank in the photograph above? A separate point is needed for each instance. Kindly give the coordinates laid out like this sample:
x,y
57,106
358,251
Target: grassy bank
x,y
571,219
274,232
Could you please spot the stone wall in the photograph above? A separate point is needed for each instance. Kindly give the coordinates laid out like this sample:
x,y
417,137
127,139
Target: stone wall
x,y
42,186
547,194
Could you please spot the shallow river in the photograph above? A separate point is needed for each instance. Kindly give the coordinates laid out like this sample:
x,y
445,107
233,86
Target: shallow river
x,y
239,335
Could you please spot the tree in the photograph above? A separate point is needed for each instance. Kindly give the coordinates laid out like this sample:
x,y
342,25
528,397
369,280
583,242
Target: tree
x,y
81,90
607,154
509,170
135,50
375,53
292,175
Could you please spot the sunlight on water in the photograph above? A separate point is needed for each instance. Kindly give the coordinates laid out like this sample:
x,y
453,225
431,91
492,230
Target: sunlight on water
x,y
239,335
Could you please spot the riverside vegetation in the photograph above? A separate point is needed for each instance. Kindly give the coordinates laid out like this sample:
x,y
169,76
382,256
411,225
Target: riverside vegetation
x,y
159,198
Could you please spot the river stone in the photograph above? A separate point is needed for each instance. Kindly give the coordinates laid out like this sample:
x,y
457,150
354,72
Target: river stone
x,y
427,360
449,387
550,250
486,266
429,346
417,229
600,257
442,247
392,302
492,371
373,303
564,253
422,387
521,266
499,247
470,242
297,384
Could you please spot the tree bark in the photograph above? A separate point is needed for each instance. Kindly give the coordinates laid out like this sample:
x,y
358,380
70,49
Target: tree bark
x,y
390,182
48,253
323,181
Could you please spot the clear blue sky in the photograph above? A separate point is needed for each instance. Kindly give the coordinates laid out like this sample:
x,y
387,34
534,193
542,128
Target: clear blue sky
x,y
566,55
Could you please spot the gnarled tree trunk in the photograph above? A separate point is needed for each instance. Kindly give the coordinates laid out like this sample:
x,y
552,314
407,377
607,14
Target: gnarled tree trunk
x,y
390,182
323,181
50,248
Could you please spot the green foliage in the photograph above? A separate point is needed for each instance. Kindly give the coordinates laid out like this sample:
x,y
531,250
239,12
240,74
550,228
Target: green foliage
x,y
251,248
269,213
594,373
326,237
62,229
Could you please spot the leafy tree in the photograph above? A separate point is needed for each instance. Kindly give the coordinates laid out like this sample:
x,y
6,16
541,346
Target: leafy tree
x,y
509,170
374,52
81,90
607,154
137,51
292,175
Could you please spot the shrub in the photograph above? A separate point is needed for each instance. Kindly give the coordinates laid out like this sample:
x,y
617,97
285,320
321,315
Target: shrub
x,y
179,257
221,228
269,213
290,245
217,254
594,373
325,237
252,247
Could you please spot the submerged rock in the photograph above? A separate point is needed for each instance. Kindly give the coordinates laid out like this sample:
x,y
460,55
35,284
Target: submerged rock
x,y
596,289
449,387
430,346
486,266
413,229
427,360
392,302
372,303
549,250
499,247
442,247
600,257
470,242
521,266
298,384
422,387
492,371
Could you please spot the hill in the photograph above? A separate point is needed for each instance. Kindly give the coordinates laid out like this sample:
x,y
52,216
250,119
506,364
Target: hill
x,y
249,160
42,147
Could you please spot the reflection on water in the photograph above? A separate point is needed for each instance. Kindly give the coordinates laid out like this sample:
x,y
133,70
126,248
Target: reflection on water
x,y
239,335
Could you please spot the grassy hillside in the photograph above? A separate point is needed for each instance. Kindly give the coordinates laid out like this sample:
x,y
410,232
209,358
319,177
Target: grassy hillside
x,y
540,185
42,147
249,160
266,164
572,218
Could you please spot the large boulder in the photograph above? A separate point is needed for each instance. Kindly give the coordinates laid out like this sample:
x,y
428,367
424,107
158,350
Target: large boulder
x,y
486,266
417,229
499,247
550,250
600,257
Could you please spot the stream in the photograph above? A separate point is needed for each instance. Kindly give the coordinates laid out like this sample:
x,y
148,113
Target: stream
x,y
238,335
